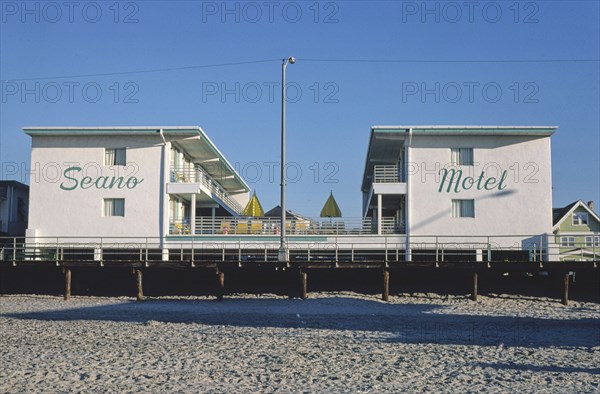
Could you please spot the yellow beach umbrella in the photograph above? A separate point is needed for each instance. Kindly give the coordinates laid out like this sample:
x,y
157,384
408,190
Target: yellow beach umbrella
x,y
253,208
331,209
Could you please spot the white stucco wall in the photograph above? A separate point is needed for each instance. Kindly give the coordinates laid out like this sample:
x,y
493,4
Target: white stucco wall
x,y
79,212
524,207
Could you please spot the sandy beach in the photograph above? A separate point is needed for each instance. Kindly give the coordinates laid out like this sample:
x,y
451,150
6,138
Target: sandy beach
x,y
331,342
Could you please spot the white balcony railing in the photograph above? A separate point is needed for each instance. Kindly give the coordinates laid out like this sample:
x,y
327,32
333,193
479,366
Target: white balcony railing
x,y
197,174
206,225
387,174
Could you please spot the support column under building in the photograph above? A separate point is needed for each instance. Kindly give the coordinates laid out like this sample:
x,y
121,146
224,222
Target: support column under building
x,y
193,215
379,213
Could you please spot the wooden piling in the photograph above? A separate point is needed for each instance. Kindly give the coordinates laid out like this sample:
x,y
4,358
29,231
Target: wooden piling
x,y
565,294
386,286
140,289
303,285
475,285
67,284
221,285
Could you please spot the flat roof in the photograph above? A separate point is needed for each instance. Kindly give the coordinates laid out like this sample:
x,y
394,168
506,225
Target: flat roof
x,y
469,129
386,141
196,144
110,130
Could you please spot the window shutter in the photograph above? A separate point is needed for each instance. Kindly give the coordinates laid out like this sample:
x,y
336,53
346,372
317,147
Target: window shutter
x,y
120,158
466,156
119,207
467,209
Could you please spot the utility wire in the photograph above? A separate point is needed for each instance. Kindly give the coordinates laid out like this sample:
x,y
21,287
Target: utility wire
x,y
155,70
451,60
399,61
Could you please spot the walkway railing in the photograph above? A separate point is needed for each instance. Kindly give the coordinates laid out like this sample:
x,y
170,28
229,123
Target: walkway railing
x,y
198,175
207,225
391,248
387,174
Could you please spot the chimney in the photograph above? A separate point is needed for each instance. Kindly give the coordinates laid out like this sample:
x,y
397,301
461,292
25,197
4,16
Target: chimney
x,y
591,205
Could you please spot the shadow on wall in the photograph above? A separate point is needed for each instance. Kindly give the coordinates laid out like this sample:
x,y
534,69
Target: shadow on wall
x,y
447,212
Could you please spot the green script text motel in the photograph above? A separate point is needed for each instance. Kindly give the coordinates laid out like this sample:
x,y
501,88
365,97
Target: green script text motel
x,y
455,178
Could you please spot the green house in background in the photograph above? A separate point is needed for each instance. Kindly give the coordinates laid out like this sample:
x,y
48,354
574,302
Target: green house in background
x,y
577,231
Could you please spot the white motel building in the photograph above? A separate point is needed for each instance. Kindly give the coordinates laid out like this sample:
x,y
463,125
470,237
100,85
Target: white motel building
x,y
423,186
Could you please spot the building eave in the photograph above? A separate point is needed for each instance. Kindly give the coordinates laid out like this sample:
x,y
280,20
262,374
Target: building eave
x,y
111,130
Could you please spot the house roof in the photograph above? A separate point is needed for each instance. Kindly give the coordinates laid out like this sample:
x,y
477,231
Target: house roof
x,y
560,214
276,212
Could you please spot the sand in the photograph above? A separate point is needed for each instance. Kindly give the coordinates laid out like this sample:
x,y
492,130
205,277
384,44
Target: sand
x,y
332,342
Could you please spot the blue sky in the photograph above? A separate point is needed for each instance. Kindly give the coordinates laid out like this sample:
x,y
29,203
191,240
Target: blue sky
x,y
527,63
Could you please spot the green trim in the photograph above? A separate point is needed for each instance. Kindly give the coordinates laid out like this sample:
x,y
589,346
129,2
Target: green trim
x,y
485,131
110,132
472,131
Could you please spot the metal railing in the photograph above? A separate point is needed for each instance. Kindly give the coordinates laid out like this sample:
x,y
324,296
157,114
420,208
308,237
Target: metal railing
x,y
387,174
389,248
196,174
207,225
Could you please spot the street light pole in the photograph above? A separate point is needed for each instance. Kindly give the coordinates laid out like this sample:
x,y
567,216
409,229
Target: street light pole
x,y
283,250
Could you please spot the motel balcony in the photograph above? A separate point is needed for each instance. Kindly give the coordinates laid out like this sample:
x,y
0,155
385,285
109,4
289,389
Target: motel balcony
x,y
389,175
207,225
384,193
194,180
385,180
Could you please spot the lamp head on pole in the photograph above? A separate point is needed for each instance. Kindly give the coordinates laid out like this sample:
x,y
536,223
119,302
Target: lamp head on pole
x,y
292,60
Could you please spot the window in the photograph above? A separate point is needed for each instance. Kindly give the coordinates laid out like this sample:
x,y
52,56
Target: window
x,y
115,157
592,241
461,156
463,208
114,207
580,218
567,241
